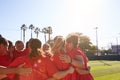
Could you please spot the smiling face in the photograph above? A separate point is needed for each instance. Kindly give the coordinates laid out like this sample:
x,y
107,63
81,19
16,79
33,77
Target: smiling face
x,y
19,45
46,47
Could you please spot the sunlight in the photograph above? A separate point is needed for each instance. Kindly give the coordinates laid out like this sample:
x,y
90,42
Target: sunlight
x,y
83,15
83,12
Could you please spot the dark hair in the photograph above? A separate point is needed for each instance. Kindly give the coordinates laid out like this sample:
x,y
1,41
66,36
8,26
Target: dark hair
x,y
3,41
10,44
0,36
18,42
34,45
27,44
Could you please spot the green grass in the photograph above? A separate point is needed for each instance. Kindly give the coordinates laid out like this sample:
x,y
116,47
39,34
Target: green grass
x,y
105,70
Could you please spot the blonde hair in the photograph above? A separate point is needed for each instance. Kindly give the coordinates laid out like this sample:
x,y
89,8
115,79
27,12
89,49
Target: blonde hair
x,y
58,45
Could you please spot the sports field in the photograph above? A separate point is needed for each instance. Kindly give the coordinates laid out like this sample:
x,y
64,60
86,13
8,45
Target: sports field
x,y
105,70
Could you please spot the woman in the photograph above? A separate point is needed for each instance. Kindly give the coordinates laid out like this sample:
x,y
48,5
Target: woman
x,y
77,58
42,67
5,60
58,50
47,48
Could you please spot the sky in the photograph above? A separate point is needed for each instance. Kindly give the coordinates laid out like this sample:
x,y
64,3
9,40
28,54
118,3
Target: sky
x,y
64,16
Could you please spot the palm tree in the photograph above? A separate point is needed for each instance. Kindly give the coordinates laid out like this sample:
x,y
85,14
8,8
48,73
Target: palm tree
x,y
31,27
37,30
49,31
24,28
44,30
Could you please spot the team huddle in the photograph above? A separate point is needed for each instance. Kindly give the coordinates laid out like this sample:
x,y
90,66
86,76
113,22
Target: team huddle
x,y
64,60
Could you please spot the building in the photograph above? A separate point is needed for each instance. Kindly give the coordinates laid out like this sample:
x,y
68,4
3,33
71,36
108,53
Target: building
x,y
116,49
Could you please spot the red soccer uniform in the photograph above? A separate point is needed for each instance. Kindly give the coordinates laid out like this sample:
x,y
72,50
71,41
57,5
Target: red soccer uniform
x,y
26,51
17,54
41,69
5,60
62,66
78,51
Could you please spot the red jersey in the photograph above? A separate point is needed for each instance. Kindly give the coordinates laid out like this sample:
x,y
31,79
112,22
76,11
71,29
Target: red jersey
x,y
62,66
26,51
41,69
78,51
5,60
17,54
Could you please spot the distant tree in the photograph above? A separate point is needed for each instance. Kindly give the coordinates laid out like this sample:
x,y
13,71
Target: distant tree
x,y
49,31
37,31
31,27
23,28
85,43
92,49
44,30
110,51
